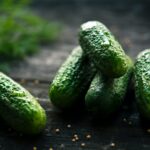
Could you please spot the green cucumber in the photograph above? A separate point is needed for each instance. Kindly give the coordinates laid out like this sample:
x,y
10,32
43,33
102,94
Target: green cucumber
x,y
72,80
142,83
103,49
106,95
19,108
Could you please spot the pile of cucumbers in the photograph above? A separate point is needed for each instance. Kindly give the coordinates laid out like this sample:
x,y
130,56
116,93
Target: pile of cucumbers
x,y
97,74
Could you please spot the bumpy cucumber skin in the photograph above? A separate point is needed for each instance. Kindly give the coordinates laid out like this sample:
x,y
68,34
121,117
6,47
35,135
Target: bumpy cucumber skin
x,y
19,108
103,49
72,80
142,83
105,95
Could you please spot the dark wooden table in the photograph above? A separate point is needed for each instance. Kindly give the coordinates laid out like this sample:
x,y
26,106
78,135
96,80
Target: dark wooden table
x,y
125,131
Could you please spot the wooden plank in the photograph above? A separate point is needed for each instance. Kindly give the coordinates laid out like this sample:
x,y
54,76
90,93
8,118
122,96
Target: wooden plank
x,y
124,130
41,66
131,29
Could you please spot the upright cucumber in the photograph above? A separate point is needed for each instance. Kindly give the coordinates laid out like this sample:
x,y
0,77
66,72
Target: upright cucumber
x,y
19,108
142,83
72,80
106,95
103,49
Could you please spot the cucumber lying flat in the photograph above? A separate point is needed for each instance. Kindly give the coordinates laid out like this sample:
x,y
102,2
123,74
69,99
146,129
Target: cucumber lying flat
x,y
142,83
103,49
19,108
106,95
72,80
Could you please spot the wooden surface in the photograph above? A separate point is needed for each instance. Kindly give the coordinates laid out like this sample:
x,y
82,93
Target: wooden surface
x,y
123,132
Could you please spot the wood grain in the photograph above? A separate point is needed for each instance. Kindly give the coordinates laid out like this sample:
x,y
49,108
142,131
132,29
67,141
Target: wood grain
x,y
125,131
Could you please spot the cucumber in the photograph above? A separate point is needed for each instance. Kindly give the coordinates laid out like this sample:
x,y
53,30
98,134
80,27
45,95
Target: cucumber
x,y
72,81
19,108
103,49
142,83
106,95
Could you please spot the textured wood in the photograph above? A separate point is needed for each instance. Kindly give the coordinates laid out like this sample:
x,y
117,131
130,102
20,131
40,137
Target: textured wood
x,y
131,27
124,129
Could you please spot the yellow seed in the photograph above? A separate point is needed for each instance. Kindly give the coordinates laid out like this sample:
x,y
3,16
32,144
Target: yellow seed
x,y
57,130
76,138
83,144
51,148
148,130
112,144
73,140
75,135
88,136
69,126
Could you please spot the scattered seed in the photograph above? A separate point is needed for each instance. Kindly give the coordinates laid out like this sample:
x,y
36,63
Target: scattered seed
x,y
76,138
57,130
88,136
82,144
69,126
34,148
75,135
112,144
73,140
